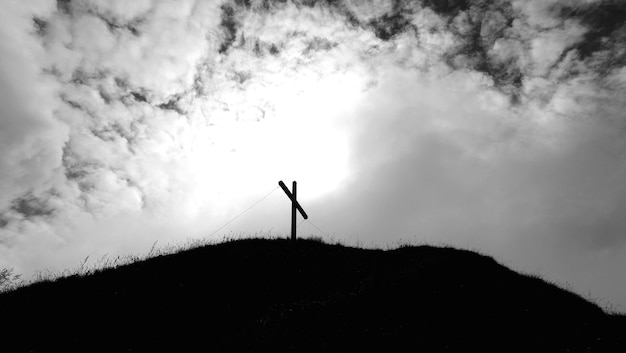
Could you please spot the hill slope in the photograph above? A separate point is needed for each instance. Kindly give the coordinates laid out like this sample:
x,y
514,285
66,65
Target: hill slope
x,y
253,294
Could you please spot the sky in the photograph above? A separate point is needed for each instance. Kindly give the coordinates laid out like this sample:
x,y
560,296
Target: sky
x,y
495,126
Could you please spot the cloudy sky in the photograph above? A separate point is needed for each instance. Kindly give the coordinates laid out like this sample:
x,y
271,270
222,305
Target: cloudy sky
x,y
498,126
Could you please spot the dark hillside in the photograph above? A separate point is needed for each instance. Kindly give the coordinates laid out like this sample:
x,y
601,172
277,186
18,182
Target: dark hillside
x,y
275,295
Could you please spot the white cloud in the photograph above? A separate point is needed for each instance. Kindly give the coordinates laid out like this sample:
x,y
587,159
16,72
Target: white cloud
x,y
548,46
538,14
30,138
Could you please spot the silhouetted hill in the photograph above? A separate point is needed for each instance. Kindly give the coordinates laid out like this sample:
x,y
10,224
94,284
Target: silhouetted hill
x,y
275,295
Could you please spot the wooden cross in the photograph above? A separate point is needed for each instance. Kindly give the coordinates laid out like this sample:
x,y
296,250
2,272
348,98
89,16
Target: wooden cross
x,y
294,206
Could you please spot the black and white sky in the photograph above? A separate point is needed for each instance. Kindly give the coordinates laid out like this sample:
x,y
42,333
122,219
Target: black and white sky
x,y
498,126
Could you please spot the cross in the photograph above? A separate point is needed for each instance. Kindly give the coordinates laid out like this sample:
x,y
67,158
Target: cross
x,y
294,206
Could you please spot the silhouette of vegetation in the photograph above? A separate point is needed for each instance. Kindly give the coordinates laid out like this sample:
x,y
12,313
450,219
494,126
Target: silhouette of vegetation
x,y
9,280
304,296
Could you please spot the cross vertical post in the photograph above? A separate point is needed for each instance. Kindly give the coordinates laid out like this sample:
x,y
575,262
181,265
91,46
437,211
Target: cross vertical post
x,y
295,206
293,210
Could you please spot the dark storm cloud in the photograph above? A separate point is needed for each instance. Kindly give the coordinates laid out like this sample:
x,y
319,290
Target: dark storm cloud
x,y
485,22
41,26
479,28
448,7
604,21
64,6
229,24
139,97
30,206
387,26
484,26
173,105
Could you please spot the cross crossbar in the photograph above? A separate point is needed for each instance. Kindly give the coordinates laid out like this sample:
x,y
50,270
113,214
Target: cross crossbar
x,y
290,195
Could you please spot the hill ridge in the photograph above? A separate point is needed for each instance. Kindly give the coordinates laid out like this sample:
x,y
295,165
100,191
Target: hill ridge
x,y
254,294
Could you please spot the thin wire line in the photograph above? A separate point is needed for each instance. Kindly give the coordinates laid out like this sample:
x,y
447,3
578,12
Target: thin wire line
x,y
316,227
246,210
